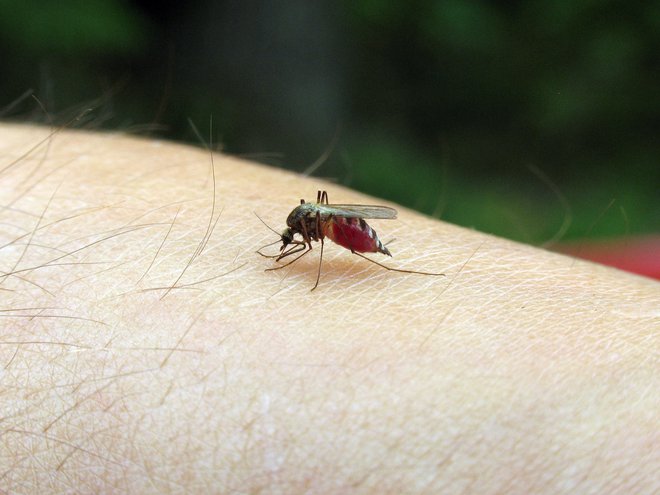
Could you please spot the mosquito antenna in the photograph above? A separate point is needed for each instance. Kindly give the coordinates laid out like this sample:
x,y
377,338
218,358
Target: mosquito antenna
x,y
398,269
269,227
270,243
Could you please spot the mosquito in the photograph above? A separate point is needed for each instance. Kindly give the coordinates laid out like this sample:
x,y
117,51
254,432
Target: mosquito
x,y
344,224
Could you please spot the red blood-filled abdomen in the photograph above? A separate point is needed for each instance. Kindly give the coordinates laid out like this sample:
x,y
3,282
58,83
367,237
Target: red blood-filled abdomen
x,y
352,233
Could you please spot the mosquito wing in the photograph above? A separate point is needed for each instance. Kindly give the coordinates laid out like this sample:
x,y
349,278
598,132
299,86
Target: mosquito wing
x,y
357,211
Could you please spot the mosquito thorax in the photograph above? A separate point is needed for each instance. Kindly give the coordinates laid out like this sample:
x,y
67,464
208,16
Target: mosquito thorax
x,y
298,213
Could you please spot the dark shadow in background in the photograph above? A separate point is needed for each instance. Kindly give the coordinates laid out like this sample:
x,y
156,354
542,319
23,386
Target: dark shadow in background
x,y
448,107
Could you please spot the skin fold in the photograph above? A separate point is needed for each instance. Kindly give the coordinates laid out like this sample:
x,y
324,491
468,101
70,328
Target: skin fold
x,y
144,349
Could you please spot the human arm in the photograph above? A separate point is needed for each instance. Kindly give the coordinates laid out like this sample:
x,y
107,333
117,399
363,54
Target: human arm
x,y
144,349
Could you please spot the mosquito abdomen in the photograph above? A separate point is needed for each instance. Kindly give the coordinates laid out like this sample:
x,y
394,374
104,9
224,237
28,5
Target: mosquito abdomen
x,y
354,234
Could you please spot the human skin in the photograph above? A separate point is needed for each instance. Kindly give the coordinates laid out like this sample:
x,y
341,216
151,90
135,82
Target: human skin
x,y
140,355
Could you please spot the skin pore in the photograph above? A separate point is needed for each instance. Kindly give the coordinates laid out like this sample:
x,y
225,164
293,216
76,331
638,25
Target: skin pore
x,y
144,349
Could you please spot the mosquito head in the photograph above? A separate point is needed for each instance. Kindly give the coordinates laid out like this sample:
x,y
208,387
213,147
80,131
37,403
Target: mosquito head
x,y
287,238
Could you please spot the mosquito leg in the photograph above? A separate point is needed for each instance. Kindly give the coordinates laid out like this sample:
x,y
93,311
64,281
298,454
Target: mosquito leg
x,y
305,234
319,231
299,246
319,196
324,197
398,269
258,251
290,262
318,276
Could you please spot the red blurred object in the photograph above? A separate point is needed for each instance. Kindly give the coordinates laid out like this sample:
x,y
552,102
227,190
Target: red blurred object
x,y
639,255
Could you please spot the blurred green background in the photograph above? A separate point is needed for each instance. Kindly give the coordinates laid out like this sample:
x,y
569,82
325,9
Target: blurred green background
x,y
534,120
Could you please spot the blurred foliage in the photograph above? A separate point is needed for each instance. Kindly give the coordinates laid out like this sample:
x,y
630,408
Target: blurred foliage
x,y
72,28
450,107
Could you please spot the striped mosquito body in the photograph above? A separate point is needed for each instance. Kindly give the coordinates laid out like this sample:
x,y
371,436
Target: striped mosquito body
x,y
354,234
344,224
